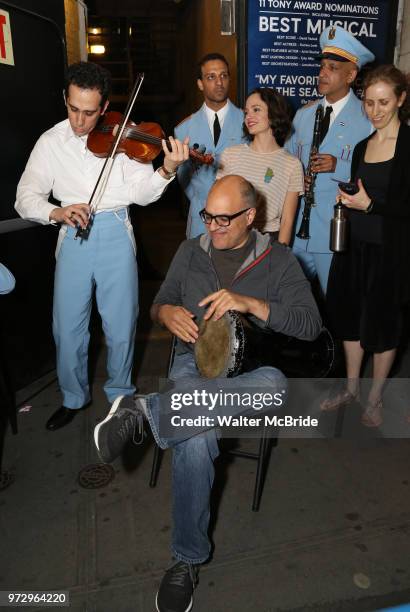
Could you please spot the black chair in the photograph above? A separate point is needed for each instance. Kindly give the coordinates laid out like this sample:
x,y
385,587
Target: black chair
x,y
261,456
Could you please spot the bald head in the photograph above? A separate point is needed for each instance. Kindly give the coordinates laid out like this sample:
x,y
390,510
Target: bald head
x,y
231,195
241,190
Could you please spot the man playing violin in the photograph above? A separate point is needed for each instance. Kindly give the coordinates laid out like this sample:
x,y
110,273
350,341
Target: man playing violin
x,y
215,126
106,261
230,267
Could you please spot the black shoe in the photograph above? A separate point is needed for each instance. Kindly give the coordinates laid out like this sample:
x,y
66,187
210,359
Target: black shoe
x,y
60,418
124,422
175,593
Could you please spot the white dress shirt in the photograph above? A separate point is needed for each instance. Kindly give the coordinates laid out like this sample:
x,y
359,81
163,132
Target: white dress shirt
x,y
210,115
336,106
60,162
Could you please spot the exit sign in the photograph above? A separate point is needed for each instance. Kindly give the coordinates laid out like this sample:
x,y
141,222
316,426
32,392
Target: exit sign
x,y
6,46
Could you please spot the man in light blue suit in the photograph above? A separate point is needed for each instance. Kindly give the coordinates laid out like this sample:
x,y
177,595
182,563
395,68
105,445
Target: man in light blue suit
x,y
215,126
341,59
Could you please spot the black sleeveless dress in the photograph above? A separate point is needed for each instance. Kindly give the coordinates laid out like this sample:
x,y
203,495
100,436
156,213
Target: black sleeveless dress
x,y
362,296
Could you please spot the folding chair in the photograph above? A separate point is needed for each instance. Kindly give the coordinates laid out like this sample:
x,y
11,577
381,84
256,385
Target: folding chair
x,y
261,456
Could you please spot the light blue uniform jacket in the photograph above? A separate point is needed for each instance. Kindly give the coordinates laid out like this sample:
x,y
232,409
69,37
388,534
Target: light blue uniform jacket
x,y
197,182
350,127
7,280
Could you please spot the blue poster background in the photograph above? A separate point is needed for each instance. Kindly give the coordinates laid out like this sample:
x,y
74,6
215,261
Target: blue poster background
x,y
283,40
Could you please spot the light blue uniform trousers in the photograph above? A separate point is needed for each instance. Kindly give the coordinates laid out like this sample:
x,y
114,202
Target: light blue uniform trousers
x,y
106,262
313,263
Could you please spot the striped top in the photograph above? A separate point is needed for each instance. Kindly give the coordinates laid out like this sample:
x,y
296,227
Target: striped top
x,y
272,175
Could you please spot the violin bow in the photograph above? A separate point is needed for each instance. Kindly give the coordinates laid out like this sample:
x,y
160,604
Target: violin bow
x,y
102,180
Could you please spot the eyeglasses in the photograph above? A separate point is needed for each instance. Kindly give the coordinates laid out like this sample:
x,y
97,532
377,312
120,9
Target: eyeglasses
x,y
221,220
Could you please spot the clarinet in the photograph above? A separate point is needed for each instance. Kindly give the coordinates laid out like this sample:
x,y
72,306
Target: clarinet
x,y
310,194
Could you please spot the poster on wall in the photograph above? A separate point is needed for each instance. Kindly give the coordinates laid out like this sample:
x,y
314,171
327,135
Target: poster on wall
x,y
283,40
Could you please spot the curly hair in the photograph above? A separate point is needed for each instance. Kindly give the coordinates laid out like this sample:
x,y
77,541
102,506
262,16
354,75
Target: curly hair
x,y
88,75
399,81
279,114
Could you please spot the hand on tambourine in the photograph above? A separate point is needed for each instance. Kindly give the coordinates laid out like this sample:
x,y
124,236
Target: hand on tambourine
x,y
224,300
179,321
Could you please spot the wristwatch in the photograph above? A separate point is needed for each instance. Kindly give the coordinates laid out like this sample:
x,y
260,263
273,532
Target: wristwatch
x,y
167,174
369,208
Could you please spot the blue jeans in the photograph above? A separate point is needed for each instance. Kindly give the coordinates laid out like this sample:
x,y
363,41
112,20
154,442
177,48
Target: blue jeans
x,y
193,457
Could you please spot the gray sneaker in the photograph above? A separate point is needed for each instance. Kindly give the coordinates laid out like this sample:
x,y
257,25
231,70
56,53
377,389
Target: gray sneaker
x,y
124,422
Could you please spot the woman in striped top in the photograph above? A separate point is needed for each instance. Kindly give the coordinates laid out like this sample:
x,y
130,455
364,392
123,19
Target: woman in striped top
x,y
276,174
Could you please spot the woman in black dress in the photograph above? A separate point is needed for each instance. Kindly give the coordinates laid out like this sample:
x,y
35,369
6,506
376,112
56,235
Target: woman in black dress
x,y
370,283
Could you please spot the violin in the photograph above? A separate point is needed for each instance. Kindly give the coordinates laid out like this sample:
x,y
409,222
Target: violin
x,y
141,142
128,135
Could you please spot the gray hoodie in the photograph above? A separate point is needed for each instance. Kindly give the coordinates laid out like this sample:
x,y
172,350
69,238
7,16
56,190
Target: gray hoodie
x,y
271,273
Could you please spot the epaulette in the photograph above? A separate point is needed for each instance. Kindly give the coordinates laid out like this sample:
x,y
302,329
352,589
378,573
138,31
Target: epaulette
x,y
183,120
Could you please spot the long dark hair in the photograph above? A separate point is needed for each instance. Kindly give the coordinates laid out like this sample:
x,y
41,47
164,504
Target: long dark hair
x,y
279,114
398,80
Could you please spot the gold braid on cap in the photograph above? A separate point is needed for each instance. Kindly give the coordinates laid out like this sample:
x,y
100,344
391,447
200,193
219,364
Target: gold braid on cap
x,y
341,52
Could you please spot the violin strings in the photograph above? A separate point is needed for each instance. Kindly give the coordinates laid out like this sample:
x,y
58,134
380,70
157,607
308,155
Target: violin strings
x,y
133,133
139,135
136,135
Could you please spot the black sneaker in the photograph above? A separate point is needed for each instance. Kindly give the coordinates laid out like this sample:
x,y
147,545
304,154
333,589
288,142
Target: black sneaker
x,y
124,422
175,593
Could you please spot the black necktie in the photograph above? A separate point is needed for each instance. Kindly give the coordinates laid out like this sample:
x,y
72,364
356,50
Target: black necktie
x,y
217,129
325,122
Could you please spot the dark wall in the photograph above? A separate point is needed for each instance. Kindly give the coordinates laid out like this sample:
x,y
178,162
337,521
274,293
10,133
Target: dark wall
x,y
52,9
31,101
31,91
26,313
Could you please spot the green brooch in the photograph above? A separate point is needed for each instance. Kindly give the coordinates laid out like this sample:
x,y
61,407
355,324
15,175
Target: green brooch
x,y
268,175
